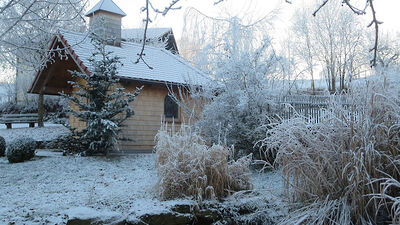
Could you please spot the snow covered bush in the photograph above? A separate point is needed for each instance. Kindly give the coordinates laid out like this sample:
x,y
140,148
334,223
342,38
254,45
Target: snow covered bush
x,y
52,104
100,103
20,150
2,146
236,115
188,167
67,143
336,168
244,65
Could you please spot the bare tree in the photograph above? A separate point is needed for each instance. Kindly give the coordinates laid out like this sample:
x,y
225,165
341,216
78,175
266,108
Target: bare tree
x,y
388,51
26,28
360,9
333,41
304,49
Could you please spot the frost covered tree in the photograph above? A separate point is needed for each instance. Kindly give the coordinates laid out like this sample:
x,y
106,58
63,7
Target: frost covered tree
x,y
26,28
240,57
99,102
333,40
388,57
356,7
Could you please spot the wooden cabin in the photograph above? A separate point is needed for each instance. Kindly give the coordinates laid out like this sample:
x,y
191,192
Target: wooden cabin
x,y
70,51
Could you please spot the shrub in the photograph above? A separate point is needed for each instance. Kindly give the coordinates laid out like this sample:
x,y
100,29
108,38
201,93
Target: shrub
x,y
187,167
67,143
52,104
2,146
20,150
336,168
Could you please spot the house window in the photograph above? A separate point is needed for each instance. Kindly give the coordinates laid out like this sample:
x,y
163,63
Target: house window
x,y
170,108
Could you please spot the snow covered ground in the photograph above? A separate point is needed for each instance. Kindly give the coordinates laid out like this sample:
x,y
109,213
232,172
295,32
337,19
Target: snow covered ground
x,y
48,132
25,125
51,187
43,189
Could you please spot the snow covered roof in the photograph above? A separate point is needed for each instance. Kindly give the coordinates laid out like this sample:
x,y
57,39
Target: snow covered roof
x,y
137,33
167,67
108,6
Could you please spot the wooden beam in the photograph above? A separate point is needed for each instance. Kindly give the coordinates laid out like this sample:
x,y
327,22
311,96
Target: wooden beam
x,y
50,74
56,90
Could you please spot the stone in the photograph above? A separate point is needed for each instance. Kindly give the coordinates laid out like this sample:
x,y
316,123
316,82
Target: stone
x,y
167,218
183,208
207,216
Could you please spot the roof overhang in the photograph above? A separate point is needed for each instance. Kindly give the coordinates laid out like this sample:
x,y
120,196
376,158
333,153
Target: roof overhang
x,y
58,61
55,69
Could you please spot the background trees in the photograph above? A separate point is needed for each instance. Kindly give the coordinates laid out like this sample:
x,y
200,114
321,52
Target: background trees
x,y
241,58
332,42
26,27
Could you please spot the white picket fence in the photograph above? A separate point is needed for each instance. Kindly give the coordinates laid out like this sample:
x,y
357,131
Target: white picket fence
x,y
310,107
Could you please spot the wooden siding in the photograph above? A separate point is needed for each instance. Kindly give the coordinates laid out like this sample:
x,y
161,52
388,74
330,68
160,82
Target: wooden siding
x,y
74,121
149,111
142,127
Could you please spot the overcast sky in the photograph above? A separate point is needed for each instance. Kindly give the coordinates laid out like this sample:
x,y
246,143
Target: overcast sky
x,y
388,11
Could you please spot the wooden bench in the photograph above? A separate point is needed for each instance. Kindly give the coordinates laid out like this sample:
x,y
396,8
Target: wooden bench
x,y
9,119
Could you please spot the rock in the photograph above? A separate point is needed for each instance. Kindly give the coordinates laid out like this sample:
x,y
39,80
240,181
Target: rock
x,y
89,216
182,208
246,209
167,218
93,221
207,216
77,221
40,144
134,221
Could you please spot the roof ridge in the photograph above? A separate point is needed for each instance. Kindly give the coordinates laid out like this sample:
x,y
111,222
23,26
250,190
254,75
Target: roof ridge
x,y
185,62
137,28
122,42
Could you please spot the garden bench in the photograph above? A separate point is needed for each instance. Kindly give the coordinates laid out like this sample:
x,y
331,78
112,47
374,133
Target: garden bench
x,y
9,119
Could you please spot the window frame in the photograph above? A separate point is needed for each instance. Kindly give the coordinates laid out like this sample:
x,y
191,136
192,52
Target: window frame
x,y
173,118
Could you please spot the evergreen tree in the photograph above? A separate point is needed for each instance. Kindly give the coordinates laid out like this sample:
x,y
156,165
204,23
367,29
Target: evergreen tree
x,y
100,103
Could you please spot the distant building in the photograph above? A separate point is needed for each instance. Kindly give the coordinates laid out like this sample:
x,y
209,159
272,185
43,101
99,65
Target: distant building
x,y
7,92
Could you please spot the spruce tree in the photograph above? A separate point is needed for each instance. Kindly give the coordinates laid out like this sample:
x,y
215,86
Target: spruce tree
x,y
100,103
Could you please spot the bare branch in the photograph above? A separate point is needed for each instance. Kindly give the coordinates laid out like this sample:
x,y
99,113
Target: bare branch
x,y
147,20
320,7
376,23
354,9
167,9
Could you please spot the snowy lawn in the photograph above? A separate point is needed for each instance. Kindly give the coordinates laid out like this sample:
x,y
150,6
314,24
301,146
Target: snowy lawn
x,y
46,133
42,189
51,186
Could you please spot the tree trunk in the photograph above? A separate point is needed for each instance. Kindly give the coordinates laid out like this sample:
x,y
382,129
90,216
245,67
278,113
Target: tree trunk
x,y
312,82
40,110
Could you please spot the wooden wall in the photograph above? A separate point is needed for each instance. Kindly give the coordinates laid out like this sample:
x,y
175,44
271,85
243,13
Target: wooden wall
x,y
142,127
149,111
73,121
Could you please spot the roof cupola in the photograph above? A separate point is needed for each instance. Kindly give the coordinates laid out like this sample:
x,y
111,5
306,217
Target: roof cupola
x,y
105,21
